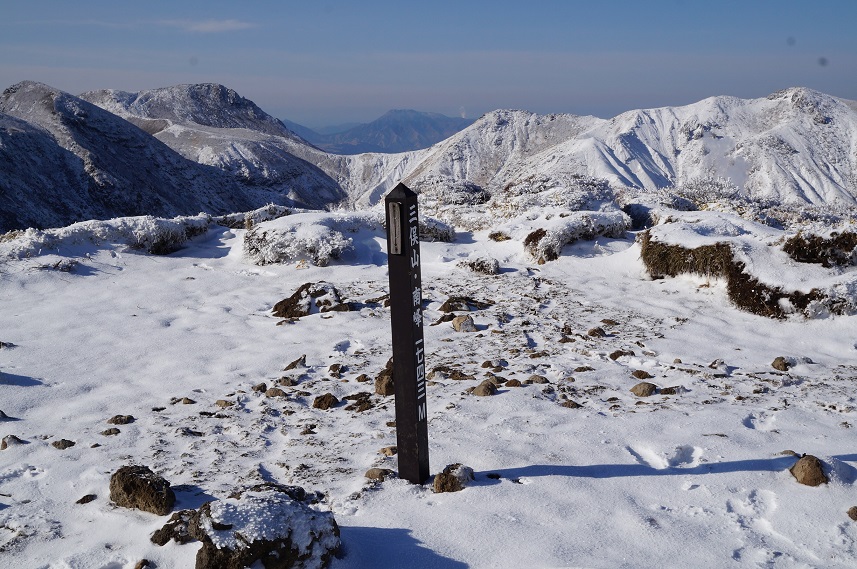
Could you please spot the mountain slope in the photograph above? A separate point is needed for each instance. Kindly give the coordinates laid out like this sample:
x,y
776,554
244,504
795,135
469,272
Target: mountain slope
x,y
795,146
214,126
72,160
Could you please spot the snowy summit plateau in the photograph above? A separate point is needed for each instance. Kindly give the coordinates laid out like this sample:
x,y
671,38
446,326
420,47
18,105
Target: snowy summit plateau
x,y
640,336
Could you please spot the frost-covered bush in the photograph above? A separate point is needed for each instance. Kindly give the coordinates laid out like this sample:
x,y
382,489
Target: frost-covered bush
x,y
432,229
545,243
707,189
151,234
569,192
249,219
315,237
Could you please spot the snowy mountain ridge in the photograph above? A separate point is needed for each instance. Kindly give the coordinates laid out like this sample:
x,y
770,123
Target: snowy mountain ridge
x,y
795,146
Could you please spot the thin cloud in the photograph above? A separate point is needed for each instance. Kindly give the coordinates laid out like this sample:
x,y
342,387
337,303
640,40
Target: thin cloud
x,y
209,26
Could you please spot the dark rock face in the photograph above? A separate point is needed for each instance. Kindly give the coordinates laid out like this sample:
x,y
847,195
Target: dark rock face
x,y
271,524
139,487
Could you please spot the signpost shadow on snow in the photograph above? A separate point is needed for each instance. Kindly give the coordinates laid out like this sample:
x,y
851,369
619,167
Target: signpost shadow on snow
x,y
387,548
18,380
775,464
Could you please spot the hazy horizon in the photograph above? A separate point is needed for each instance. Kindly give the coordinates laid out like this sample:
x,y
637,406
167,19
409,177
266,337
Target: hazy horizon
x,y
335,62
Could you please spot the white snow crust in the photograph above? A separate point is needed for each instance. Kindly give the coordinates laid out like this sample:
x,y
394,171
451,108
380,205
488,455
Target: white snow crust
x,y
697,478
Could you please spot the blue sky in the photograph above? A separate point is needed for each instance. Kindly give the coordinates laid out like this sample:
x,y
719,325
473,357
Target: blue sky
x,y
325,62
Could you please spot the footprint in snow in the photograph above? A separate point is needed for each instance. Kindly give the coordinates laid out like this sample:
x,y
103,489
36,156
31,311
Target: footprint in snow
x,y
760,421
682,457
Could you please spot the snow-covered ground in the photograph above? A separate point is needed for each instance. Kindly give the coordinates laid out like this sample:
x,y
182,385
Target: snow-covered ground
x,y
696,478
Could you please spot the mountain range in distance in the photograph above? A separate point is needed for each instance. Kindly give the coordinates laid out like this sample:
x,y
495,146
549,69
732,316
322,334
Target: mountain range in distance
x,y
196,148
398,130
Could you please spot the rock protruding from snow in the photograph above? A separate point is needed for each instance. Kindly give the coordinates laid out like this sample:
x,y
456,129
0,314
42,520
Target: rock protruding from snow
x,y
138,487
311,298
809,471
453,478
276,525
464,323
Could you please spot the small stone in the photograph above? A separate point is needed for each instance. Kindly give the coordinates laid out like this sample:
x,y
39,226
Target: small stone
x,y
260,387
287,382
379,474
571,404
809,471
513,383
852,513
582,369
187,401
142,564
609,322
674,390
537,379
362,378
644,389
86,499
10,440
780,363
596,332
325,401
275,392
121,420
335,370
463,323
63,444
223,403
110,432
389,451
484,389
384,380
642,374
619,353
677,361
300,362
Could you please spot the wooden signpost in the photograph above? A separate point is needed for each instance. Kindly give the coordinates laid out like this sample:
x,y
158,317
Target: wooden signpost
x,y
409,369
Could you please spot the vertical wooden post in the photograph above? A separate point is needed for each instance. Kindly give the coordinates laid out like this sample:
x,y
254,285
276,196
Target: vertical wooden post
x,y
409,368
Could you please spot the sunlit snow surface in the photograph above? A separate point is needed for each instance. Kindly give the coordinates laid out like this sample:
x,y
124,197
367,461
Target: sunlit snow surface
x,y
695,479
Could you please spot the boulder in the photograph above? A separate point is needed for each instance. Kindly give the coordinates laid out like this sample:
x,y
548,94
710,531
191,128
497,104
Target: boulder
x,y
121,420
10,440
379,474
309,298
453,478
138,487
780,363
269,525
463,324
384,380
644,389
63,444
809,471
485,389
325,401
